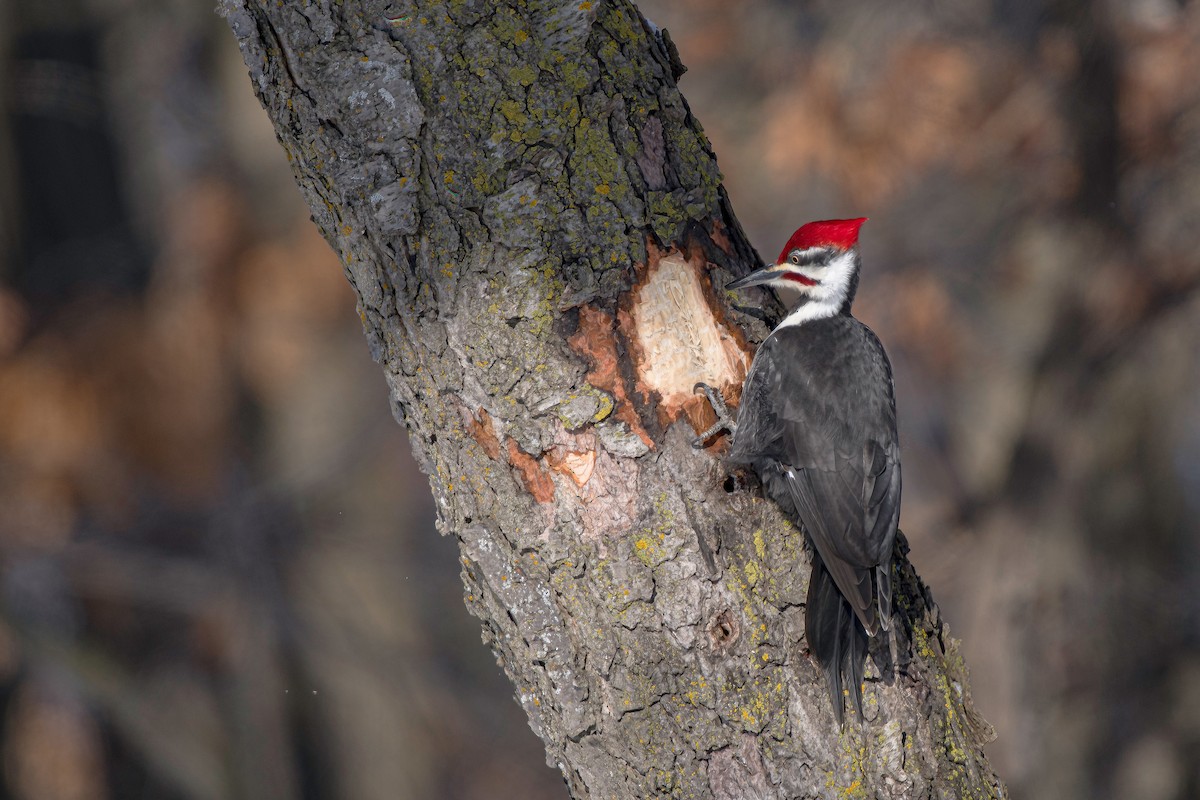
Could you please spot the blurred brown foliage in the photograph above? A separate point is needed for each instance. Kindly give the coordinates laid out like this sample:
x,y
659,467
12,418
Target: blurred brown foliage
x,y
207,533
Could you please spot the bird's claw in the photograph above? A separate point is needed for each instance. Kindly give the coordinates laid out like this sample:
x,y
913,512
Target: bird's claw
x,y
724,420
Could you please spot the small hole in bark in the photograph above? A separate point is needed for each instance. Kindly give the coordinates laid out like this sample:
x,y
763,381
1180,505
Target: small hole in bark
x,y
512,322
467,520
723,631
730,484
433,438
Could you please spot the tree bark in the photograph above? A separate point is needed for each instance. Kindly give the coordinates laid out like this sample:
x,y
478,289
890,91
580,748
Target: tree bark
x,y
535,227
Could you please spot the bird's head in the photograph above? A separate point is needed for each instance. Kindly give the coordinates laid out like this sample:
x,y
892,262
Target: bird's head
x,y
820,261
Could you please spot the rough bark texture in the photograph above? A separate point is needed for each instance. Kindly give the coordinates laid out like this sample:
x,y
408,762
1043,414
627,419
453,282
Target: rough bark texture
x,y
534,225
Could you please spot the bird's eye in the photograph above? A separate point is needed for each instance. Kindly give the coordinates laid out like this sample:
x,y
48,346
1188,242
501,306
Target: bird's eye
x,y
794,258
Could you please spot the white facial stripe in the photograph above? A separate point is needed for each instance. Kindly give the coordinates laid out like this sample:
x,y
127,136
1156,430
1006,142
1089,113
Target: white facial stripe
x,y
828,296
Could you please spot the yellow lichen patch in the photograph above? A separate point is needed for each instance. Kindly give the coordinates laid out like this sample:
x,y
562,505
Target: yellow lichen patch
x,y
760,544
752,572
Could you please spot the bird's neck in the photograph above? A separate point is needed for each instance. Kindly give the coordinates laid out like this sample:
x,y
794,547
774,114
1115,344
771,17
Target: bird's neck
x,y
810,310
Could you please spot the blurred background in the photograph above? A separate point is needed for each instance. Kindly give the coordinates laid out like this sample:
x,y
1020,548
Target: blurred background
x,y
219,576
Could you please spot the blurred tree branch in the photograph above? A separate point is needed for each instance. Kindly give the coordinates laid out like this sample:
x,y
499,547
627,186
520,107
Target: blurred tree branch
x,y
530,216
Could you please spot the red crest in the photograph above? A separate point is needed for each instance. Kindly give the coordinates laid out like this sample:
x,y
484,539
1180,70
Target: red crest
x,y
841,233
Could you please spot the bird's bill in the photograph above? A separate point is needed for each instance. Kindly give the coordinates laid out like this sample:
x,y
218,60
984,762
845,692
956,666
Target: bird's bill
x,y
764,275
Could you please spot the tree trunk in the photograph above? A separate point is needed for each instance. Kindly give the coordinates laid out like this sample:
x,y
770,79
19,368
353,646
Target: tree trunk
x,y
535,227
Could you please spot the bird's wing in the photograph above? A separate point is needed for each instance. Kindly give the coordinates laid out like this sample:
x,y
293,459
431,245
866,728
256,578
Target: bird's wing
x,y
836,449
846,510
759,428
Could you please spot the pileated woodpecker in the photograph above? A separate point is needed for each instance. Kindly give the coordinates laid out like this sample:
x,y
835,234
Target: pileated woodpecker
x,y
818,423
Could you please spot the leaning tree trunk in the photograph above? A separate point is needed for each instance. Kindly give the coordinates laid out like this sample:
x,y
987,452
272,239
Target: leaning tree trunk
x,y
535,227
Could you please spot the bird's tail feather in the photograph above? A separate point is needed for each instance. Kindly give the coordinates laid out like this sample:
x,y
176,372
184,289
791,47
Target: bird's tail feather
x,y
836,638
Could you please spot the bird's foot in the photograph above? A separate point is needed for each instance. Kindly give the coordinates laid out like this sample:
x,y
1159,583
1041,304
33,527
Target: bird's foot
x,y
724,420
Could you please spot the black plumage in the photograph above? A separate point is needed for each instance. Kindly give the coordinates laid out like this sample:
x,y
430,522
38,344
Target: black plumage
x,y
818,422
